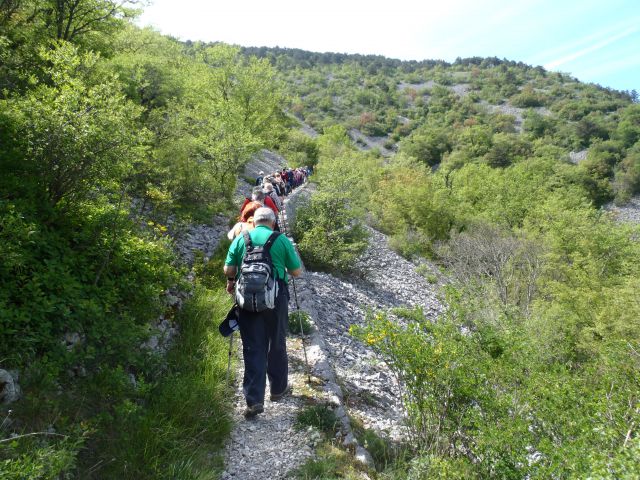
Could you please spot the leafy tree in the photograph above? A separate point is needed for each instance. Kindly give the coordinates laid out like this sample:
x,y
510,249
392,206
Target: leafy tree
x,y
74,136
628,129
408,202
70,20
428,144
506,149
537,125
527,98
590,128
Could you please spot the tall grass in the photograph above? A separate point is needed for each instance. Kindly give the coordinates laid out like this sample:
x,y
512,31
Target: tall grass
x,y
171,425
180,434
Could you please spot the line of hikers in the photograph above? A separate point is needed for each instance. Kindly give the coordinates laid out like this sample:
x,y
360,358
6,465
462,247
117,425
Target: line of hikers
x,y
259,262
270,191
286,180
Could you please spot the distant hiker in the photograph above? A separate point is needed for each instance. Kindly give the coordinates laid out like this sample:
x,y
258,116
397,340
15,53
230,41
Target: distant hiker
x,y
259,178
263,332
269,192
285,178
257,195
280,184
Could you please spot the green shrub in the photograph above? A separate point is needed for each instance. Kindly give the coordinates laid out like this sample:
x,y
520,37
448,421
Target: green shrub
x,y
329,237
528,98
299,320
507,393
93,274
35,459
330,464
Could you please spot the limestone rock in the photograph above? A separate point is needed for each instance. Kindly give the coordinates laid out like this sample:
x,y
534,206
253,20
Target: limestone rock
x,y
10,390
364,457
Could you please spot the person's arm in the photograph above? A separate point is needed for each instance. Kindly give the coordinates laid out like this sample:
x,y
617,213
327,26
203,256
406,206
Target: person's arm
x,y
230,272
230,268
292,261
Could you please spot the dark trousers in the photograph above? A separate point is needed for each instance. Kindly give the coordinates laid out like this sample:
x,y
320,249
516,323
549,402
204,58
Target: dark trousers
x,y
264,348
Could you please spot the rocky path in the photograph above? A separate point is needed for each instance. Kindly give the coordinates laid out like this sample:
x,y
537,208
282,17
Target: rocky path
x,y
346,374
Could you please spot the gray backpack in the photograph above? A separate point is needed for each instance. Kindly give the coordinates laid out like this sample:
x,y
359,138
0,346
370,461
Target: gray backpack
x,y
256,287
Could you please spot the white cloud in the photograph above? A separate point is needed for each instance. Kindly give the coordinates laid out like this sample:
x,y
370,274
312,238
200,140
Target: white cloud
x,y
615,66
591,48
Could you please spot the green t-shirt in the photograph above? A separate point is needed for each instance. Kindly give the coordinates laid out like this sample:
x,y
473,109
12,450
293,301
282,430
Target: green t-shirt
x,y
283,254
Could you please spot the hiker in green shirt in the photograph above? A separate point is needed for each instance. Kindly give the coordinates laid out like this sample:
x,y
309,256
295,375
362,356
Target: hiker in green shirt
x,y
264,333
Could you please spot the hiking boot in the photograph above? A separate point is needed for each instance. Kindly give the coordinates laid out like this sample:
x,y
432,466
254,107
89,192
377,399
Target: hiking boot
x,y
253,410
279,396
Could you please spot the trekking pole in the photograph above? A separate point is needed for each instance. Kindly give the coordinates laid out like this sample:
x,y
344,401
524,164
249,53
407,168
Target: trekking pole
x,y
295,296
304,348
229,362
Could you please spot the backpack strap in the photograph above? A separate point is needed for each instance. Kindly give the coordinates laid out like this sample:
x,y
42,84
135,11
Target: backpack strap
x,y
270,241
247,240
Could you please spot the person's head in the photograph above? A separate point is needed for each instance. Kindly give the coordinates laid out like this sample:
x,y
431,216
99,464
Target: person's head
x,y
249,211
257,195
264,216
268,187
261,173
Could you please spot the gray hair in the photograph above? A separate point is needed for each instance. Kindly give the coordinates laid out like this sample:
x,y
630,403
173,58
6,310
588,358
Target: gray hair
x,y
257,194
264,216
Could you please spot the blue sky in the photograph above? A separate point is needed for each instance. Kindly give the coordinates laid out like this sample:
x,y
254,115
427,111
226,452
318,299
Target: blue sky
x,y
594,40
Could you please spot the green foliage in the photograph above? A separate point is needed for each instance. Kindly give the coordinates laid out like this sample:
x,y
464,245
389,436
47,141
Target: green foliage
x,y
331,463
230,109
26,459
299,149
184,417
409,204
299,322
73,136
528,98
328,227
99,118
506,148
466,399
209,272
428,144
327,233
50,289
384,453
320,417
628,129
537,125
627,176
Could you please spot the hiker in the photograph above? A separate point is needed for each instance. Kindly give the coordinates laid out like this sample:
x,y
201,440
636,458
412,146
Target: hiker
x,y
257,195
245,221
280,185
264,333
285,179
269,192
259,178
